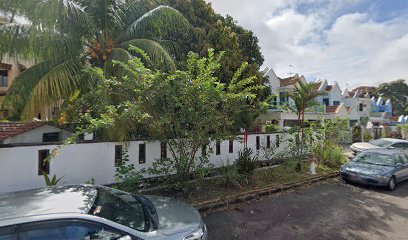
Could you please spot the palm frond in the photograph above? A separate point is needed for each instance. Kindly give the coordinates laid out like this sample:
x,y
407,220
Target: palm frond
x,y
29,42
55,85
163,22
117,54
158,55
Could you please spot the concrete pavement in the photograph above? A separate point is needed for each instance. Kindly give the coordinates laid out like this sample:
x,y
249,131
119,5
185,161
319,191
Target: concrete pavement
x,y
332,210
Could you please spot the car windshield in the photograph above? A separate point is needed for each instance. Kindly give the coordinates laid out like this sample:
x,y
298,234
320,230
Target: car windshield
x,y
375,159
119,207
381,142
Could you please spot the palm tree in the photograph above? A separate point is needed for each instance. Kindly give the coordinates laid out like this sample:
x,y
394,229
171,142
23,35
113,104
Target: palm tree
x,y
303,96
66,36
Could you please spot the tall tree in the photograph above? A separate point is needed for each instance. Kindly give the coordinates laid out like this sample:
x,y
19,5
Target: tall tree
x,y
212,30
184,109
303,96
64,36
397,91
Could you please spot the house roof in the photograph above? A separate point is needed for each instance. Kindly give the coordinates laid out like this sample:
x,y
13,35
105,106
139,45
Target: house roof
x,y
10,129
289,81
331,109
362,91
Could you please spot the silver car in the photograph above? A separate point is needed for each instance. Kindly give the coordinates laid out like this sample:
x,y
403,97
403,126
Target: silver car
x,y
377,167
379,143
96,212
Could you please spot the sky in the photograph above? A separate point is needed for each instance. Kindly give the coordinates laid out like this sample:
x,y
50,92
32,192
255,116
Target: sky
x,y
353,42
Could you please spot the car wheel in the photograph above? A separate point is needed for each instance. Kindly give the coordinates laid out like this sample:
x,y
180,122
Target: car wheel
x,y
392,184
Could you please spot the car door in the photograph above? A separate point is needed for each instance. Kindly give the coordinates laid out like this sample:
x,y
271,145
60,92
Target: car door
x,y
71,230
401,171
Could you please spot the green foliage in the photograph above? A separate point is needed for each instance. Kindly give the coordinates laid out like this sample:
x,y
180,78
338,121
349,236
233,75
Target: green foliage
x,y
185,109
245,163
229,177
325,139
214,31
397,91
367,135
51,182
64,37
127,178
91,181
272,128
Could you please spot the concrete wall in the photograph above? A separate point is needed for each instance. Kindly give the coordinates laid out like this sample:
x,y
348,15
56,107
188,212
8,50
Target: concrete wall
x,y
35,135
81,162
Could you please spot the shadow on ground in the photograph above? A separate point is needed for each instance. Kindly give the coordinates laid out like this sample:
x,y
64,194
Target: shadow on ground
x,y
328,211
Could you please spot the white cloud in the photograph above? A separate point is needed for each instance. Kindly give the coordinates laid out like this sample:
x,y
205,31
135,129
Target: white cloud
x,y
325,39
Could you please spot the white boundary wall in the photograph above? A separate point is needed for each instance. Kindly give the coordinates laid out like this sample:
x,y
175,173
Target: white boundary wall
x,y
81,162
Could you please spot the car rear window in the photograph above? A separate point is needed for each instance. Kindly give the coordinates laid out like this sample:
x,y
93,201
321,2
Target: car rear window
x,y
381,142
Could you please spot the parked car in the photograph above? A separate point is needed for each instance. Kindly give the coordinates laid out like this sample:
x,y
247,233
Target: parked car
x,y
96,212
379,143
377,167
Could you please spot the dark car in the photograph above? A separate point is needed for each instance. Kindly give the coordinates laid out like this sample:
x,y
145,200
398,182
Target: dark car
x,y
380,167
96,212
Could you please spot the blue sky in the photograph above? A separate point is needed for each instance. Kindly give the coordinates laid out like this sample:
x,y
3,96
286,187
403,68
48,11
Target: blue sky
x,y
353,42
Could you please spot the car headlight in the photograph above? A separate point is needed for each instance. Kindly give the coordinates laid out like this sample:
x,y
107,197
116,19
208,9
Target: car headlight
x,y
196,235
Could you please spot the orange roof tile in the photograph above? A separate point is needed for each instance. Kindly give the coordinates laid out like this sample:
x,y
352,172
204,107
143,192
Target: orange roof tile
x,y
10,129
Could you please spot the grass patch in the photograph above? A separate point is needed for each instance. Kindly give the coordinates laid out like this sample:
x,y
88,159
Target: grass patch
x,y
262,178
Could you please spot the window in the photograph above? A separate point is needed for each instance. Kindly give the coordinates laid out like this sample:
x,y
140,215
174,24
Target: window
x,y
204,150
8,233
142,153
3,78
69,229
43,166
283,98
118,155
231,146
277,141
163,150
326,101
268,141
361,107
336,103
51,137
258,142
218,147
400,145
401,158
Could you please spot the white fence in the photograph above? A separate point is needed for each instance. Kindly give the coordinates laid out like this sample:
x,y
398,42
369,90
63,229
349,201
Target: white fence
x,y
81,162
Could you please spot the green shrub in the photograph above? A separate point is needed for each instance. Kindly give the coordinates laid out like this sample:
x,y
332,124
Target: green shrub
x,y
245,163
333,156
127,177
272,128
367,135
230,177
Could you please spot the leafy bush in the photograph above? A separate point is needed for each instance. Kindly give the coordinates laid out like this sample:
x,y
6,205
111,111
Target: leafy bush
x,y
126,176
334,156
367,135
230,177
245,163
51,181
272,128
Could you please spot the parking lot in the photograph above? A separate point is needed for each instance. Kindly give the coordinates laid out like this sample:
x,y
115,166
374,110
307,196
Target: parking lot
x,y
331,210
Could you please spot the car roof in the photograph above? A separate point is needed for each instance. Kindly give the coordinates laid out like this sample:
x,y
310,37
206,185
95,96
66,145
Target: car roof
x,y
394,140
385,151
50,200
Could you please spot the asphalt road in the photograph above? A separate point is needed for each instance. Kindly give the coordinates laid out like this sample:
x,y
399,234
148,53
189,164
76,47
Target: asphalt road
x,y
332,210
